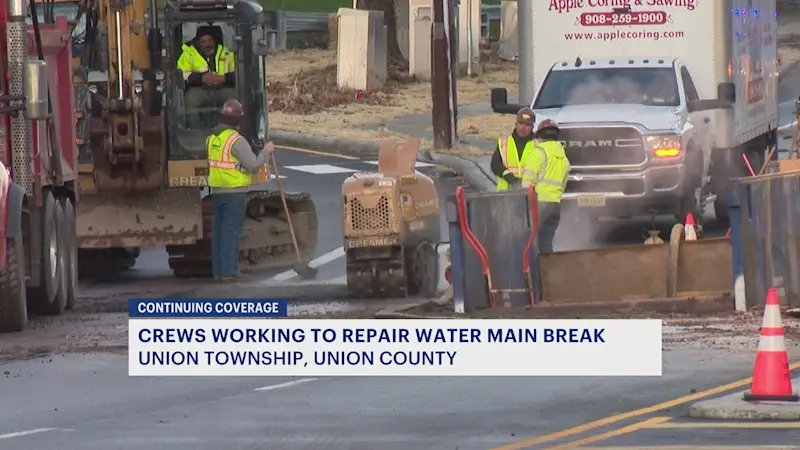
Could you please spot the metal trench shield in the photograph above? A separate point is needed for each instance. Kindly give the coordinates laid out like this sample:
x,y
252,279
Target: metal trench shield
x,y
770,221
502,222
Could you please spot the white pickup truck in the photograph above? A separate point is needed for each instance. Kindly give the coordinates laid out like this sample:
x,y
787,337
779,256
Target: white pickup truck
x,y
657,100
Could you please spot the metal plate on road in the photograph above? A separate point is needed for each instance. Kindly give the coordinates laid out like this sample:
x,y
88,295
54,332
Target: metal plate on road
x,y
592,200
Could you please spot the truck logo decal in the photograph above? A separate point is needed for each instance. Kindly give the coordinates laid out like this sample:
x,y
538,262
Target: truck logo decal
x,y
603,143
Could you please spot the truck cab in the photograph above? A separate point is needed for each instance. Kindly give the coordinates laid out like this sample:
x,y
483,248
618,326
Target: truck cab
x,y
628,133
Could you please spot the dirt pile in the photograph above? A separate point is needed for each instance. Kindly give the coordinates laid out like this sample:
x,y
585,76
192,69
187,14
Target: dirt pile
x,y
316,89
304,96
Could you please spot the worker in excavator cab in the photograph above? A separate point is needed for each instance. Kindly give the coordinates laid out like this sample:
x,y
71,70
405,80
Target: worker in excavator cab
x,y
231,163
510,151
208,72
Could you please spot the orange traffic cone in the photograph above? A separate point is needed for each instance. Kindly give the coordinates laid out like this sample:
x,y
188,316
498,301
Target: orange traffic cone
x,y
689,228
772,379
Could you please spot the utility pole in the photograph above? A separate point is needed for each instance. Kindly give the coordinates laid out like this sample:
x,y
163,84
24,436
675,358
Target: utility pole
x,y
470,37
453,7
525,46
441,83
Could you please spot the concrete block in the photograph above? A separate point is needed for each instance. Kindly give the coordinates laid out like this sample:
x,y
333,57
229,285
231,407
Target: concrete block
x,y
362,50
733,407
508,31
464,19
419,53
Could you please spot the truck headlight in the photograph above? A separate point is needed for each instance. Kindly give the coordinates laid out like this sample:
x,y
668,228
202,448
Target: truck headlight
x,y
664,146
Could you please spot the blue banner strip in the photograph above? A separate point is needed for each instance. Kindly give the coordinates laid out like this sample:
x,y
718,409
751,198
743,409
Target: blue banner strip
x,y
207,307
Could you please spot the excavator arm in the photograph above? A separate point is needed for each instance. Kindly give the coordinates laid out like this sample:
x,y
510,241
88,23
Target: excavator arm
x,y
127,127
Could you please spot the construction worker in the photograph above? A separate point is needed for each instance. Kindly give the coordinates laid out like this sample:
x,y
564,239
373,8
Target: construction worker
x,y
208,72
231,161
506,159
546,166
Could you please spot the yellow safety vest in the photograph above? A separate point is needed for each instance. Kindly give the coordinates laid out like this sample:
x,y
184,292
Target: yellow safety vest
x,y
548,174
223,167
192,61
511,159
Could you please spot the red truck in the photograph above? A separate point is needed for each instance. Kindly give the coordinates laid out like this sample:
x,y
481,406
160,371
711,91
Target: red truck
x,y
38,167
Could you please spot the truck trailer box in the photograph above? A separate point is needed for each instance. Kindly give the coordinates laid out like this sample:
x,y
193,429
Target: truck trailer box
x,y
719,40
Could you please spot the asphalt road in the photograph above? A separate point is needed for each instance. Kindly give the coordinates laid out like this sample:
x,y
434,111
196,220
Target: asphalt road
x,y
86,402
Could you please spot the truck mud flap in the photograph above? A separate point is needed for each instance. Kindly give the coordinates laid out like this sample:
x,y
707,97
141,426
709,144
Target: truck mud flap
x,y
141,219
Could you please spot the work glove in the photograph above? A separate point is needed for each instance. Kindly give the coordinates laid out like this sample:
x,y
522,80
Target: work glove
x,y
512,180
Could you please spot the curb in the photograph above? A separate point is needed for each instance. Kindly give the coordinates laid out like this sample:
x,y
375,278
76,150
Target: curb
x,y
320,142
733,407
471,171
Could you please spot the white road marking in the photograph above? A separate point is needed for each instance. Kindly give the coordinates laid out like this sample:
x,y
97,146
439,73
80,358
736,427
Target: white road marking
x,y
321,169
419,164
324,259
287,384
26,433
272,176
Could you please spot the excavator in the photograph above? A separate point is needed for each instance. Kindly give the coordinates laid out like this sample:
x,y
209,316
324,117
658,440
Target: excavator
x,y
142,164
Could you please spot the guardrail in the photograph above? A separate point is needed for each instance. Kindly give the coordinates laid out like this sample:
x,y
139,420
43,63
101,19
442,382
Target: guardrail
x,y
285,22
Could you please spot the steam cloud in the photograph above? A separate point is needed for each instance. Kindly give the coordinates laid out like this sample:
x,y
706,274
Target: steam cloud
x,y
620,88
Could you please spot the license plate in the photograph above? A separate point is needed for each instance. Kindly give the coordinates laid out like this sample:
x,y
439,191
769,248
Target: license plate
x,y
592,200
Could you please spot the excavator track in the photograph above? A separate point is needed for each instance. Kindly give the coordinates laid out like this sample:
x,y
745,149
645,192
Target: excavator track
x,y
406,271
266,240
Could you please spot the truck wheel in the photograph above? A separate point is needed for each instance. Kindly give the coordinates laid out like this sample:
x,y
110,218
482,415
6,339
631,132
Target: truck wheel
x,y
70,267
13,306
46,295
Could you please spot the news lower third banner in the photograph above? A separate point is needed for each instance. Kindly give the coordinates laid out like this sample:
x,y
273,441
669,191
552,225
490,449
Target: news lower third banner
x,y
240,337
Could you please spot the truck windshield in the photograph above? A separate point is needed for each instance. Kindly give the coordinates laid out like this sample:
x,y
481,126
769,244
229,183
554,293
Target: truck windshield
x,y
643,86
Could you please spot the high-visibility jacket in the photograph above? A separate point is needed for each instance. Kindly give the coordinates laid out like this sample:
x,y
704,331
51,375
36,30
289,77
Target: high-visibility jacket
x,y
192,61
543,164
511,159
223,167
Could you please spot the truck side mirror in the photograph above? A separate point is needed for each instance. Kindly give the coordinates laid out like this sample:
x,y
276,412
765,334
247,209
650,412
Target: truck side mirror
x,y
34,87
500,102
726,92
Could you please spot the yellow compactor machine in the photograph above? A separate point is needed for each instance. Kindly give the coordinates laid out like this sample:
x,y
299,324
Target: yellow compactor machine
x,y
391,227
143,169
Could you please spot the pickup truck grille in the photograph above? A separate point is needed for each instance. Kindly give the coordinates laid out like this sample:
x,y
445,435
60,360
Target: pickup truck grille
x,y
608,146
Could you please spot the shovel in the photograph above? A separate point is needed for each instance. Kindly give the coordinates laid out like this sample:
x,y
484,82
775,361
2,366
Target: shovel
x,y
300,267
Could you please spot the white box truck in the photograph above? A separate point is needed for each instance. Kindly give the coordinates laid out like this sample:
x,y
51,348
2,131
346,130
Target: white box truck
x,y
657,100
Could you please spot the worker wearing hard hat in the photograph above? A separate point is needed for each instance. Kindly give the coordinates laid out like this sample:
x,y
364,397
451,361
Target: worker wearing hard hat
x,y
543,163
548,169
208,72
231,162
510,151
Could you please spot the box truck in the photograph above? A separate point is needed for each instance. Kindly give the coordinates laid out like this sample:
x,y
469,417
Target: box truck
x,y
658,100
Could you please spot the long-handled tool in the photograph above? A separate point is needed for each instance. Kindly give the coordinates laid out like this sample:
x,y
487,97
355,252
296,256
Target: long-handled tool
x,y
301,267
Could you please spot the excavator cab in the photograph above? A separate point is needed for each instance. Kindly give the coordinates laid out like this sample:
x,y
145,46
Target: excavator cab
x,y
240,27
